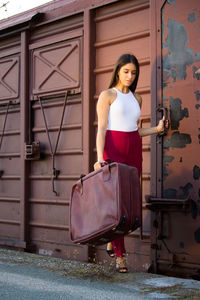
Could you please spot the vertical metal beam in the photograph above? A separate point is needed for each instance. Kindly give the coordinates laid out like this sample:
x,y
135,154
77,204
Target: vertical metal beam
x,y
24,112
89,56
153,94
153,185
88,89
156,96
156,102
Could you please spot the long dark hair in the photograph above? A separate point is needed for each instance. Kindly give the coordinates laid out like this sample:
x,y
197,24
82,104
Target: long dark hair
x,y
123,60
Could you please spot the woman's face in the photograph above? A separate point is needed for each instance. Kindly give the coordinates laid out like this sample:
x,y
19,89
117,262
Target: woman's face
x,y
127,74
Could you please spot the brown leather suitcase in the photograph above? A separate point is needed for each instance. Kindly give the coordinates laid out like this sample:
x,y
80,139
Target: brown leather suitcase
x,y
105,204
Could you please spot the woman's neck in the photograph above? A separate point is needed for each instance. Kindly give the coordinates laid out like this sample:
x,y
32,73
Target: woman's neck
x,y
122,88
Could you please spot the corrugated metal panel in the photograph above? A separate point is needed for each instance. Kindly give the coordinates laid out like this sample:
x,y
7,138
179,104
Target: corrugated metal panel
x,y
10,215
119,30
10,174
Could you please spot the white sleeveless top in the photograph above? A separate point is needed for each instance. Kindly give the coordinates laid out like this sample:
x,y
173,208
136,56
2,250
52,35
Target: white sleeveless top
x,y
124,112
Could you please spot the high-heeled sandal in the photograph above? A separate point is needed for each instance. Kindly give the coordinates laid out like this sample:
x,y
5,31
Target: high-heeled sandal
x,y
110,252
121,265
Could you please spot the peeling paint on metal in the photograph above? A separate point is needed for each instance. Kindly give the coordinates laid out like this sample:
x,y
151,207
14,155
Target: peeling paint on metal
x,y
176,113
194,209
170,193
192,17
181,193
163,25
166,159
197,235
178,56
196,74
197,94
196,172
177,140
171,2
185,190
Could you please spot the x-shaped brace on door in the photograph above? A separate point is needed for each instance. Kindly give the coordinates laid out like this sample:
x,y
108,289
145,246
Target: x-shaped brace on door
x,y
55,67
55,172
4,75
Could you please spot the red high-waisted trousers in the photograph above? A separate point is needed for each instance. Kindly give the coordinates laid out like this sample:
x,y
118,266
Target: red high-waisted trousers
x,y
123,147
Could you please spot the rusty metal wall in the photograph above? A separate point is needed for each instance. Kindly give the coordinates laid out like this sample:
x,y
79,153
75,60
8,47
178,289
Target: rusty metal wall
x,y
176,222
119,30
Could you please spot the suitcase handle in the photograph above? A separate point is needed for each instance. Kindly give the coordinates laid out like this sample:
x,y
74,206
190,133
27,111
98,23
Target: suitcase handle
x,y
79,186
106,173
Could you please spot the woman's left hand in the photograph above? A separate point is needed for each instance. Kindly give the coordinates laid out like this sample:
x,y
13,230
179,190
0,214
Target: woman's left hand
x,y
161,125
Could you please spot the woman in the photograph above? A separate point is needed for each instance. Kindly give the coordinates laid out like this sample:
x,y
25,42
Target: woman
x,y
118,136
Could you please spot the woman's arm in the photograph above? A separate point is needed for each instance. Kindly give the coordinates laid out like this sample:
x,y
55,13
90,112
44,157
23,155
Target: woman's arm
x,y
151,130
103,105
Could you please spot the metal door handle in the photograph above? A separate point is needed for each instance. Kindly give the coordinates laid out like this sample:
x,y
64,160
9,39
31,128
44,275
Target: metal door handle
x,y
166,120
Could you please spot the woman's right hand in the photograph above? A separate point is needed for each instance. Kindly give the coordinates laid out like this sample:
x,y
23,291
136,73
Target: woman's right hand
x,y
98,164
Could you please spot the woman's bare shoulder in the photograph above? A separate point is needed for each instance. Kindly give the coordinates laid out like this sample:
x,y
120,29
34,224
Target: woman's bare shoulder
x,y
108,95
138,98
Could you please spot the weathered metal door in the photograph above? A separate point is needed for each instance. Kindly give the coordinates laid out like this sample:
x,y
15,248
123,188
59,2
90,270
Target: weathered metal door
x,y
56,104
175,193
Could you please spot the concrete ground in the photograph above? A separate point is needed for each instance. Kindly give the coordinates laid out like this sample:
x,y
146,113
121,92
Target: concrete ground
x,y
25,276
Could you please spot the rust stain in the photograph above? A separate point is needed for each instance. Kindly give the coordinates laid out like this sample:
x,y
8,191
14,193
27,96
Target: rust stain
x,y
196,72
196,172
192,17
179,56
181,193
194,209
176,112
177,140
166,160
197,94
171,2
